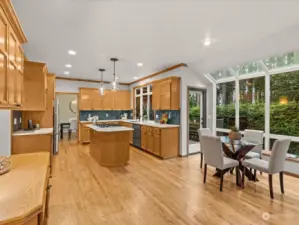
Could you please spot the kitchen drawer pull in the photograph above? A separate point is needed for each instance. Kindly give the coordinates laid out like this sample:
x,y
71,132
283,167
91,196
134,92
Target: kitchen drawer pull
x,y
49,187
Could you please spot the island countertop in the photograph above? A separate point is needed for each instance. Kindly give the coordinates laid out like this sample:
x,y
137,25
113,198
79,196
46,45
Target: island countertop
x,y
109,129
150,124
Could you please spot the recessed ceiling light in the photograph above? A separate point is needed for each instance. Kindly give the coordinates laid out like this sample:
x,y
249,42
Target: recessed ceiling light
x,y
207,41
66,72
140,64
68,66
72,52
135,78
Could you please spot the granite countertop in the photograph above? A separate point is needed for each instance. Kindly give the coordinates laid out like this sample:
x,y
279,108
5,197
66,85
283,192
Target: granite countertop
x,y
151,124
33,132
109,129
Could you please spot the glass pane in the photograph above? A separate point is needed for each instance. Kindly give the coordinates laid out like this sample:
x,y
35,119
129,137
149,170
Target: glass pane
x,y
144,107
249,68
284,60
224,73
138,91
284,108
226,105
293,151
252,104
137,109
151,111
144,90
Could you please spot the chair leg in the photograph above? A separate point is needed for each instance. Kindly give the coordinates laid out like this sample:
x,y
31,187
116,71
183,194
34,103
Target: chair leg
x,y
237,175
254,175
221,180
281,182
70,133
205,174
271,186
201,159
261,158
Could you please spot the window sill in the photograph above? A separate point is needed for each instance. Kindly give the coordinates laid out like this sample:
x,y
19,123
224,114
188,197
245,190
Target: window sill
x,y
268,153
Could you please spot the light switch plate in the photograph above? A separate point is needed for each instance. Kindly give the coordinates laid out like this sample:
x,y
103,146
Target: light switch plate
x,y
15,121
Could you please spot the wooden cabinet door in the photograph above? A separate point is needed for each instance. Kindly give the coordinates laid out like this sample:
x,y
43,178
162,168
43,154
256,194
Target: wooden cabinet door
x,y
157,144
3,32
156,96
150,140
13,46
119,99
127,100
143,138
3,79
86,134
165,94
12,79
86,99
108,100
18,87
97,100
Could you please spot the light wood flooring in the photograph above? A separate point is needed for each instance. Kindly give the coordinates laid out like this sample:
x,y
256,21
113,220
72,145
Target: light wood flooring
x,y
155,192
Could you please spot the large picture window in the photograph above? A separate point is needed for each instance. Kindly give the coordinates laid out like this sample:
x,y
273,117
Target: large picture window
x,y
226,105
143,103
252,104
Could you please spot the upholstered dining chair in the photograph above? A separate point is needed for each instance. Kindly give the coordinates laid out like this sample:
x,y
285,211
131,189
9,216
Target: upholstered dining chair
x,y
255,136
73,126
203,131
213,156
275,164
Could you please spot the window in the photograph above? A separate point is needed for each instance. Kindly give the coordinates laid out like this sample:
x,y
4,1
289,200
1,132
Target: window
x,y
252,104
284,108
249,68
143,103
284,60
293,151
226,105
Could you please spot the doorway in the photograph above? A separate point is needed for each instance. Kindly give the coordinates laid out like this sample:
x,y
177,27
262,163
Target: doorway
x,y
196,112
67,110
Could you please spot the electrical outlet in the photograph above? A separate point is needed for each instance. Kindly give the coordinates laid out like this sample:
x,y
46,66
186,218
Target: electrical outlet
x,y
107,114
15,121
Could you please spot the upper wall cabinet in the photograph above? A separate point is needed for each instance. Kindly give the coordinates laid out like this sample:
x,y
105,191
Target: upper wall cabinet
x,y
90,99
11,57
35,86
166,94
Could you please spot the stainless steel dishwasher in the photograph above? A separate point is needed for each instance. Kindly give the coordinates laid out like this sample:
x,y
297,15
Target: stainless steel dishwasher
x,y
137,135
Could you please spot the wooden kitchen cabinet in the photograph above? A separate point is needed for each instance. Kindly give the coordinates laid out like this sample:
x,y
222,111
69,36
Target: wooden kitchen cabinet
x,y
108,100
122,100
11,57
84,133
166,94
163,142
90,99
143,137
121,123
35,86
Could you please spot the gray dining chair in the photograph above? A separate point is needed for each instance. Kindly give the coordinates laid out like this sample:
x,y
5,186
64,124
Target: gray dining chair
x,y
213,156
255,136
203,131
275,164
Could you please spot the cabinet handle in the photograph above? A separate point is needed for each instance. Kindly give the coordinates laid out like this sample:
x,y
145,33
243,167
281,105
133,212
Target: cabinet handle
x,y
49,187
50,176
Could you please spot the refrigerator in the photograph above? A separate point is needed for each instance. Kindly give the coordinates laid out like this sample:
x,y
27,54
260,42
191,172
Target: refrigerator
x,y
56,127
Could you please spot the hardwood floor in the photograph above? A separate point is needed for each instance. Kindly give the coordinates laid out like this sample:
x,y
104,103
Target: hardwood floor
x,y
155,192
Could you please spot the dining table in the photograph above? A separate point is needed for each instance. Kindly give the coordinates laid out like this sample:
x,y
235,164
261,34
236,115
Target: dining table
x,y
237,150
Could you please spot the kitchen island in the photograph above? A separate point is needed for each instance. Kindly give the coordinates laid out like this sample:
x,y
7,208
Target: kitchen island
x,y
109,146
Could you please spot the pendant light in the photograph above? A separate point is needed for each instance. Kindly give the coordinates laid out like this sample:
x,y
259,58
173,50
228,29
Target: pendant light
x,y
114,83
101,89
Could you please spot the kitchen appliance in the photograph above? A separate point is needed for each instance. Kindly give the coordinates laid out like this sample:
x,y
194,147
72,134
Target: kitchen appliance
x,y
30,125
56,127
137,135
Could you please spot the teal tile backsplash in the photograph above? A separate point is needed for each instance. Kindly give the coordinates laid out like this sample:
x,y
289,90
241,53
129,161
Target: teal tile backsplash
x,y
105,114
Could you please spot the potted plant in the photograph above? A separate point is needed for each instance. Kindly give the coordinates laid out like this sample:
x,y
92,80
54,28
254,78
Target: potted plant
x,y
235,134
144,114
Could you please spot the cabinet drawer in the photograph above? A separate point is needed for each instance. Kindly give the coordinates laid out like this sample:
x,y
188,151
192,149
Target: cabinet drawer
x,y
157,131
143,128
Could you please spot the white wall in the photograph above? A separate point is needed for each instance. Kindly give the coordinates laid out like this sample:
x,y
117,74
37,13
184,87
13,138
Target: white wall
x,y
73,86
5,132
188,78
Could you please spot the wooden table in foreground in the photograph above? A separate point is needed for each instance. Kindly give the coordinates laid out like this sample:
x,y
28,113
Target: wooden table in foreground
x,y
109,146
24,190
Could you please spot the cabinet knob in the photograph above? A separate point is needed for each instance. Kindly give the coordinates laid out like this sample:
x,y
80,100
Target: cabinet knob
x,y
49,187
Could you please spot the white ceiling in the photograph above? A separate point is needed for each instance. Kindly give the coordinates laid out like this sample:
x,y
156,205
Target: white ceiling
x,y
159,33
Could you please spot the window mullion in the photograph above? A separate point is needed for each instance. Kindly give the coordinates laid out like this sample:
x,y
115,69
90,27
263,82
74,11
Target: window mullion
x,y
267,110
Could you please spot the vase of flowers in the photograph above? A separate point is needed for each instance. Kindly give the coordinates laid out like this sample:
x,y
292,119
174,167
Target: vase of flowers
x,y
235,134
